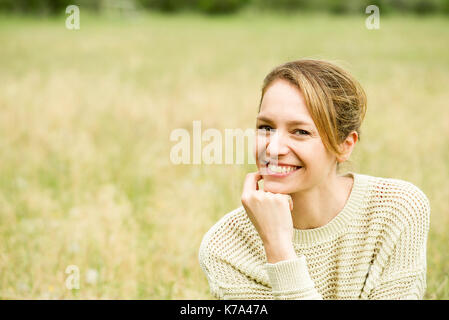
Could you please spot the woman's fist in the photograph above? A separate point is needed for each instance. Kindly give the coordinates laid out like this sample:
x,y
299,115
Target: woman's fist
x,y
269,212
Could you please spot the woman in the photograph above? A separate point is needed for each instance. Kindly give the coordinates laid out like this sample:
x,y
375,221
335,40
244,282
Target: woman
x,y
312,233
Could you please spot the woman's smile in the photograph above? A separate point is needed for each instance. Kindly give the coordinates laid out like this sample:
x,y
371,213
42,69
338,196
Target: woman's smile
x,y
280,170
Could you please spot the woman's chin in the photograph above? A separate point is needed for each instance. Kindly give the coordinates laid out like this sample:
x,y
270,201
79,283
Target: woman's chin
x,y
276,187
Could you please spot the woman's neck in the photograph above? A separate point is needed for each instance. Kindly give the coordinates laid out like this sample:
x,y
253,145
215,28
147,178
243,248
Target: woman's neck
x,y
316,207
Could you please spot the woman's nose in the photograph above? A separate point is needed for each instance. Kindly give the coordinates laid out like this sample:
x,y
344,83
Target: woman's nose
x,y
276,145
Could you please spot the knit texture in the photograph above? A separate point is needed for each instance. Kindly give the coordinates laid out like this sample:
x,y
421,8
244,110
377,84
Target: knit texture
x,y
375,248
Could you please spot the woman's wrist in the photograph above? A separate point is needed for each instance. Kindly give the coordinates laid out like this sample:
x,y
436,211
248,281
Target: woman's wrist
x,y
279,251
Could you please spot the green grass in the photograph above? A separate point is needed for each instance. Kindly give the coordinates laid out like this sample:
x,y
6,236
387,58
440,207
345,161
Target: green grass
x,y
85,173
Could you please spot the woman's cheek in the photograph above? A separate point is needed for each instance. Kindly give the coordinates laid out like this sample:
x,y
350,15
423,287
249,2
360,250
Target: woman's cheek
x,y
258,152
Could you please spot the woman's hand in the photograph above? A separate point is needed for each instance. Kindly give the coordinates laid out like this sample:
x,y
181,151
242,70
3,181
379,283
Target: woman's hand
x,y
270,214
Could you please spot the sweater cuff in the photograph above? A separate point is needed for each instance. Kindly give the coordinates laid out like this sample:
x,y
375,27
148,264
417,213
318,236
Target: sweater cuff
x,y
289,274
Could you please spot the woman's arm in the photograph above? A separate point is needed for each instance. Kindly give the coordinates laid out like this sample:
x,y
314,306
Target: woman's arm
x,y
404,274
271,216
288,274
288,279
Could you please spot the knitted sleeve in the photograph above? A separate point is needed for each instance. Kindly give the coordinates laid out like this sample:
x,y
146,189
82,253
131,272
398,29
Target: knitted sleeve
x,y
404,275
227,281
290,280
232,257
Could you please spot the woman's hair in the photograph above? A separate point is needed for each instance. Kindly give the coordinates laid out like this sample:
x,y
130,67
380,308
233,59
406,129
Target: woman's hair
x,y
335,100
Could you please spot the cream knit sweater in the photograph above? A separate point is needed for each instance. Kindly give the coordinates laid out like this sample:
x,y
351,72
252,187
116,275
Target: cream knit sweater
x,y
375,248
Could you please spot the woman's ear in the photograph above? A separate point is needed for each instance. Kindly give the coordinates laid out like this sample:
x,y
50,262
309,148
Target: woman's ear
x,y
347,146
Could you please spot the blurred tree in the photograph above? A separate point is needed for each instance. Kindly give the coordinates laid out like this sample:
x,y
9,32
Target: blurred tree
x,y
167,5
221,6
283,5
445,6
230,6
46,6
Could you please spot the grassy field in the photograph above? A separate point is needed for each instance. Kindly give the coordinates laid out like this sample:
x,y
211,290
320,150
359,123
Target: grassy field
x,y
85,173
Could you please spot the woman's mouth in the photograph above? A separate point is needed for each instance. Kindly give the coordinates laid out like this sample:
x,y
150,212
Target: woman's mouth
x,y
280,170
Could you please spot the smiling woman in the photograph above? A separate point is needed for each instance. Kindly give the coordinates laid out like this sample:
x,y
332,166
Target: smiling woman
x,y
312,233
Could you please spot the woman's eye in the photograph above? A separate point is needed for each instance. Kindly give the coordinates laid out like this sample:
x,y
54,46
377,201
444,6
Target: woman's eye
x,y
264,127
302,132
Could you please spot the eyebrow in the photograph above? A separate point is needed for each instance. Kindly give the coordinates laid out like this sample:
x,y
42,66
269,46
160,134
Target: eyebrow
x,y
291,122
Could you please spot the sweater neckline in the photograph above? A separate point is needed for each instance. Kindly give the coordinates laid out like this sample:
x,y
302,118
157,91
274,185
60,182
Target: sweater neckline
x,y
339,223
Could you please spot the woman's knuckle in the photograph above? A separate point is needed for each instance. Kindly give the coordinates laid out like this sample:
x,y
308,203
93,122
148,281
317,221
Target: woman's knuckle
x,y
246,197
257,196
276,196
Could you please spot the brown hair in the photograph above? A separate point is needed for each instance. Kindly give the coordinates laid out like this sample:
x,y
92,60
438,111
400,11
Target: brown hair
x,y
335,100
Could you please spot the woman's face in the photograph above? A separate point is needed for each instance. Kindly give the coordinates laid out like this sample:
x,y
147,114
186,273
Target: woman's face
x,y
289,141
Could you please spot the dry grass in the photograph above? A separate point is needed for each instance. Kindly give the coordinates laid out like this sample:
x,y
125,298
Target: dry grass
x,y
85,173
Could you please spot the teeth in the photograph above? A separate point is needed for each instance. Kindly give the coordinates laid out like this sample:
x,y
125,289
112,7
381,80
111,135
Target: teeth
x,y
281,169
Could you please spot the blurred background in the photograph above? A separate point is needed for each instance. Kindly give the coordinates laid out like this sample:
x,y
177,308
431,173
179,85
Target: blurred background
x,y
88,194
